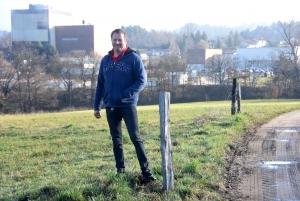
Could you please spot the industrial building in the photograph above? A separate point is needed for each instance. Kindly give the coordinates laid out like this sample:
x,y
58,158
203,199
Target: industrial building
x,y
37,23
42,24
85,38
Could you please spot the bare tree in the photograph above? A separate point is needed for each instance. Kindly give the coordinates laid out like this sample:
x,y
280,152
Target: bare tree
x,y
188,37
18,65
189,43
190,28
87,67
288,71
173,48
174,67
82,73
202,44
220,65
94,60
7,81
159,74
287,77
290,32
68,76
153,80
245,70
30,75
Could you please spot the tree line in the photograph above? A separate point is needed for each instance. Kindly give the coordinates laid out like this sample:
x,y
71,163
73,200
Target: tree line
x,y
38,79
192,35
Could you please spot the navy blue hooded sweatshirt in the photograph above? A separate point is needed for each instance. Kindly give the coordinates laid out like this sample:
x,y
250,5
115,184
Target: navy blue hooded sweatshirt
x,y
119,83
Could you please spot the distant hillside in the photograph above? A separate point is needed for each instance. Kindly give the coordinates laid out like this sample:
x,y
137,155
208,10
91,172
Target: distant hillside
x,y
247,31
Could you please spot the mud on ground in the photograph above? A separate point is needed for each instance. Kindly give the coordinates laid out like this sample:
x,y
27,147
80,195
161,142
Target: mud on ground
x,y
265,165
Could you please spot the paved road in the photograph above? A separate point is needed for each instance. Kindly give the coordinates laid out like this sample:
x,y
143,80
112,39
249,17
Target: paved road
x,y
270,167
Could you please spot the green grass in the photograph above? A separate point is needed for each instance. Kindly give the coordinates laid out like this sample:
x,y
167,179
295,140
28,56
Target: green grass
x,y
68,156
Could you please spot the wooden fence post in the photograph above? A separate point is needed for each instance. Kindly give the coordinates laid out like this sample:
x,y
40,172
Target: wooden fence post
x,y
239,98
166,146
233,94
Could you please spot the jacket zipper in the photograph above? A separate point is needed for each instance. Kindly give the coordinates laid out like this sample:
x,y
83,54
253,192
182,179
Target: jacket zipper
x,y
111,90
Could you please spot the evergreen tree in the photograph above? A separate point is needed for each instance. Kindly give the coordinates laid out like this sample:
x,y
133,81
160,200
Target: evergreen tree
x,y
237,39
219,44
40,48
197,37
50,51
181,42
204,36
230,40
246,34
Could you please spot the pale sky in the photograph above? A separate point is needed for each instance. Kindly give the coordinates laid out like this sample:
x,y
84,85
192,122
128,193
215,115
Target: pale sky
x,y
163,14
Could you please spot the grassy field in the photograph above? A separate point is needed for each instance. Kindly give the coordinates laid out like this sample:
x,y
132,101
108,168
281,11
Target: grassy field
x,y
68,156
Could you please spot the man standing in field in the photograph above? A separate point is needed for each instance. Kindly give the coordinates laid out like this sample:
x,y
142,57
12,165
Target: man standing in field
x,y
121,77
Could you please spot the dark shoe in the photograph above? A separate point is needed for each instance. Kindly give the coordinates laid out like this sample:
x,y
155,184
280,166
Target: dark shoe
x,y
121,170
148,176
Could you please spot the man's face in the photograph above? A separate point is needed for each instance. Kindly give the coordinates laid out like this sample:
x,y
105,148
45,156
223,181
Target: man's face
x,y
119,42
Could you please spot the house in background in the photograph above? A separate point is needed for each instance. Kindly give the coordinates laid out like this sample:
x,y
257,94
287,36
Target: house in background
x,y
156,52
255,43
201,56
197,60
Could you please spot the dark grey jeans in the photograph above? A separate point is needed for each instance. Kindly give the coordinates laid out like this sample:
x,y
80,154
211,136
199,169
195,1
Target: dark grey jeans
x,y
130,117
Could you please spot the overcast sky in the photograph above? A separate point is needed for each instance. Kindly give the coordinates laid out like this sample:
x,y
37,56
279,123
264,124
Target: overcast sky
x,y
163,14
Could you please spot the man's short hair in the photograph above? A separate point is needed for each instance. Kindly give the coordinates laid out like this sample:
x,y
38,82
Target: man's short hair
x,y
118,31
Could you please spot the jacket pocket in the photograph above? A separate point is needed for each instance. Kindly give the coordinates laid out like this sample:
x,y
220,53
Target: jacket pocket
x,y
107,93
117,94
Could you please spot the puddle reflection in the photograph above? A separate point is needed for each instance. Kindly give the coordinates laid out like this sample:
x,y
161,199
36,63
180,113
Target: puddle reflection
x,y
286,131
283,140
276,164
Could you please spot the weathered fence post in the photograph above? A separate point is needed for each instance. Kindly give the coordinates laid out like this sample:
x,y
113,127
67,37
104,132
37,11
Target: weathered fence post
x,y
233,94
239,98
165,145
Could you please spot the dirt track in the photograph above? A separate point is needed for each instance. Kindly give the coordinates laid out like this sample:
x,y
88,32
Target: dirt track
x,y
267,165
